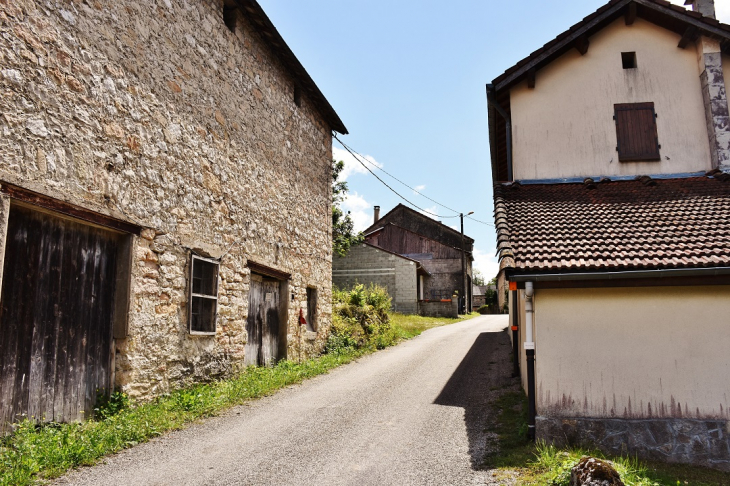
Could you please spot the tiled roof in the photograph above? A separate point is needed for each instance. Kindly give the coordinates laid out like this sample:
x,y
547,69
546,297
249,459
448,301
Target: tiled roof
x,y
641,224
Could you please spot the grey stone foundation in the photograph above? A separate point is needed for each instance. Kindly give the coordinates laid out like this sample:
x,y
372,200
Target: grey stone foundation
x,y
687,441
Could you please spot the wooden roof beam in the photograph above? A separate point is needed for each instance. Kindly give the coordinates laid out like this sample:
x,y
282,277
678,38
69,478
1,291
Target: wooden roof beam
x,y
631,14
582,43
531,78
690,34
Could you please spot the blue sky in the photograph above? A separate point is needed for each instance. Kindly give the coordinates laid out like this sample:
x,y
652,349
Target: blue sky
x,y
408,80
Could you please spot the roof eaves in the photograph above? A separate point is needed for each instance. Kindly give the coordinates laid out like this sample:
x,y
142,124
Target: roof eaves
x,y
562,43
272,37
401,205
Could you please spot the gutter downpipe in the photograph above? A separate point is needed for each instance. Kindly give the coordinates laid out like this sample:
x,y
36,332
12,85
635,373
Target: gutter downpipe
x,y
508,127
515,337
530,352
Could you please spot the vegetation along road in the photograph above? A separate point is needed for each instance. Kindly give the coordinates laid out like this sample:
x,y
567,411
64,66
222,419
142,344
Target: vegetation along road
x,y
412,414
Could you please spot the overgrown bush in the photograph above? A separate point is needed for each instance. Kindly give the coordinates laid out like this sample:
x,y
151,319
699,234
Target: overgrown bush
x,y
360,319
483,310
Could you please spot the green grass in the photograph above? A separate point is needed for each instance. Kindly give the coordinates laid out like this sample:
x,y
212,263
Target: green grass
x,y
36,453
544,465
409,326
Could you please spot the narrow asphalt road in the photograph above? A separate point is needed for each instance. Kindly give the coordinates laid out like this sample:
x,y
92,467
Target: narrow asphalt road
x,y
414,414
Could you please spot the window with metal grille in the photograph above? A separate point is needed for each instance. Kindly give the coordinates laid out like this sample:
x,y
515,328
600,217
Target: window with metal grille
x,y
636,132
311,309
203,305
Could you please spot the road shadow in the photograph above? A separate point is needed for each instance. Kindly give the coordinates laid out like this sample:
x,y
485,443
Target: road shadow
x,y
477,382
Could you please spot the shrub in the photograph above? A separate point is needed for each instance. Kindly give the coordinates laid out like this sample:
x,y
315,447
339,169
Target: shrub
x,y
484,310
359,319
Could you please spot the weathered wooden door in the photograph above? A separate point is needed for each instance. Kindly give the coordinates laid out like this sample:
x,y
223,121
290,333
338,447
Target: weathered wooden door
x,y
262,347
56,312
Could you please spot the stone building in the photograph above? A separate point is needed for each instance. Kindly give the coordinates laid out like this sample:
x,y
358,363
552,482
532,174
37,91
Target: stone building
x,y
437,247
612,230
165,172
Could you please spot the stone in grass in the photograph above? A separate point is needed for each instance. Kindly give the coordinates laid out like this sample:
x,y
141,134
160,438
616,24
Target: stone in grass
x,y
594,472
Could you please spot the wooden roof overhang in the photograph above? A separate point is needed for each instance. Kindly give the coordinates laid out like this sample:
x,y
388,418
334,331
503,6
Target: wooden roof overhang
x,y
688,24
256,15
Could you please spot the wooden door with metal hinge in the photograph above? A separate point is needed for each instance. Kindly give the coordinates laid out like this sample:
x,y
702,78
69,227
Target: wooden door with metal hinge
x,y
264,320
56,317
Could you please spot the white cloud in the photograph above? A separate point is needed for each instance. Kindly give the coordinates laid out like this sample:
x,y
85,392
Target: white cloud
x,y
360,210
352,166
486,263
722,9
419,189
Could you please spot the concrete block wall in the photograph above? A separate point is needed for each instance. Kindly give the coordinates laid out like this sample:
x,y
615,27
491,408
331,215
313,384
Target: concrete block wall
x,y
365,264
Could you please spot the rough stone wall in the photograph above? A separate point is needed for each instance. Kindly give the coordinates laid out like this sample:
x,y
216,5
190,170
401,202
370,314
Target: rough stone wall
x,y
367,265
445,275
688,441
439,309
156,113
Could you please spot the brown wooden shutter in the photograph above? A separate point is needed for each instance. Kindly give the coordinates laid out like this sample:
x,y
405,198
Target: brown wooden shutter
x,y
636,132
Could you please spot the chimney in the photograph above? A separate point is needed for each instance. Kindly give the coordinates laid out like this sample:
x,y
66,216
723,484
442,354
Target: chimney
x,y
376,214
714,93
705,7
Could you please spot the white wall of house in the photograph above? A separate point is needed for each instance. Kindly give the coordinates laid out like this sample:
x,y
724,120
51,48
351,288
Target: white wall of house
x,y
565,128
606,352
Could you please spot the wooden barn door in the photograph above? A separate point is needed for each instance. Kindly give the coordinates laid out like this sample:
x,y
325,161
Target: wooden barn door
x,y
263,325
56,312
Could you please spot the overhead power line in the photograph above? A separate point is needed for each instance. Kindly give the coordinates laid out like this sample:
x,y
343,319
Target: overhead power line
x,y
359,158
363,160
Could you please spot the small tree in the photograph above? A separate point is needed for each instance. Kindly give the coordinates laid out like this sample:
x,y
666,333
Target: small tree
x,y
478,277
343,229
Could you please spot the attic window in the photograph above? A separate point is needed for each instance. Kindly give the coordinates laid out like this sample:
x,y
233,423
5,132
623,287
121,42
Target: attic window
x,y
628,59
203,305
297,95
229,18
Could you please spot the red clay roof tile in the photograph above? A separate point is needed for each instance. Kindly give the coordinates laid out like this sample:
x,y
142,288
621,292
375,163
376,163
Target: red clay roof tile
x,y
621,225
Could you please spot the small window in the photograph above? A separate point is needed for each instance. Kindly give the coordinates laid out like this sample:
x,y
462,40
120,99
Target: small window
x,y
297,95
629,60
203,303
311,309
229,18
636,132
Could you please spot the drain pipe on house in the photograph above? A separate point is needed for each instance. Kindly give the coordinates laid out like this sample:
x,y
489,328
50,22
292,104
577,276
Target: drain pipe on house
x,y
515,335
530,352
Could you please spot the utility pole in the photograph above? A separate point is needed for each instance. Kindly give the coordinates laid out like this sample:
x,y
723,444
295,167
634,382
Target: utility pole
x,y
463,264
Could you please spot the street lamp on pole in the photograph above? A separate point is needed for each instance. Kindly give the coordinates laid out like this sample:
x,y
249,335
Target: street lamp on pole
x,y
463,264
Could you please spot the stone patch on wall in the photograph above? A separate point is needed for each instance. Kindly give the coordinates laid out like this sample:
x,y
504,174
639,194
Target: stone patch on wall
x,y
686,441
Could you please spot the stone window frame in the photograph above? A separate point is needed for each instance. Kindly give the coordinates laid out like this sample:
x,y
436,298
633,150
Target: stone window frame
x,y
208,328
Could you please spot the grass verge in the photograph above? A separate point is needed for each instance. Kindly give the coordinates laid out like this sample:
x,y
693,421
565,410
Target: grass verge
x,y
544,465
36,453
